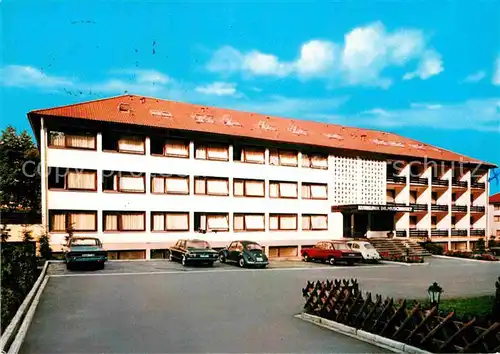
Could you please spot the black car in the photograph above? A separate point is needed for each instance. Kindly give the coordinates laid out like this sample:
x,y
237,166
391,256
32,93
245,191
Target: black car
x,y
244,253
193,251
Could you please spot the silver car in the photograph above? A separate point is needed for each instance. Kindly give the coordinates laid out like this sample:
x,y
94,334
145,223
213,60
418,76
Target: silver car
x,y
366,249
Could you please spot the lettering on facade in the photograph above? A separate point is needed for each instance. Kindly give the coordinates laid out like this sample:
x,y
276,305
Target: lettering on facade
x,y
384,208
203,118
296,130
228,120
264,126
333,136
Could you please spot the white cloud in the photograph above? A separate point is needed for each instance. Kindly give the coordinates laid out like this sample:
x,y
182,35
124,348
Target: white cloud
x,y
496,74
366,52
218,89
426,105
28,76
475,77
431,64
478,115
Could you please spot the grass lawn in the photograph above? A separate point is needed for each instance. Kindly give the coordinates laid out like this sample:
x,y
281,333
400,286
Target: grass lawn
x,y
478,306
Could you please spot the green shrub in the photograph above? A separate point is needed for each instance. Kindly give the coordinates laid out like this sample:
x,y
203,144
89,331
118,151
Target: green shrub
x,y
45,250
433,248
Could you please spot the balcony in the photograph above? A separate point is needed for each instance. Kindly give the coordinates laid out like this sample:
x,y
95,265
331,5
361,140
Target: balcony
x,y
457,183
419,233
440,182
419,180
459,208
400,233
396,179
478,232
477,209
419,207
438,207
458,232
478,185
393,203
439,233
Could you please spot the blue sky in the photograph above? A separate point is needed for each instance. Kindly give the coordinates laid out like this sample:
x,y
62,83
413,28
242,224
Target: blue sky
x,y
429,70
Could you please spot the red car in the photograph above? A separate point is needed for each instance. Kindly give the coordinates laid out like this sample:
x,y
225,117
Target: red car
x,y
332,252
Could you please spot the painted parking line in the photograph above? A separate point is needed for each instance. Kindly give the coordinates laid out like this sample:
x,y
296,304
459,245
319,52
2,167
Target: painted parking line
x,y
213,271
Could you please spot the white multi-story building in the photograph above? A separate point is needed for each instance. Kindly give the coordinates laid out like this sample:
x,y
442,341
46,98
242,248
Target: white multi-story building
x,y
494,216
140,172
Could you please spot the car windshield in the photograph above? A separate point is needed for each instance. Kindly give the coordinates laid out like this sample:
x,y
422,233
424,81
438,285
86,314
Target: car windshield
x,y
85,242
253,246
341,246
197,244
369,246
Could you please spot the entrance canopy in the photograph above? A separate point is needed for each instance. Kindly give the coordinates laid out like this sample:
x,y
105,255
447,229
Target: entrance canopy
x,y
354,208
361,220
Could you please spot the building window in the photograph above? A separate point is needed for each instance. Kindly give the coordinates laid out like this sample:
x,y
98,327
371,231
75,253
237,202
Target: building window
x,y
212,152
72,180
80,221
249,154
282,222
283,158
211,186
124,221
169,184
391,196
209,222
497,207
315,161
283,189
413,197
433,221
434,197
123,143
170,147
413,221
248,222
453,197
248,188
126,182
498,232
314,191
453,221
314,222
72,141
496,218
169,221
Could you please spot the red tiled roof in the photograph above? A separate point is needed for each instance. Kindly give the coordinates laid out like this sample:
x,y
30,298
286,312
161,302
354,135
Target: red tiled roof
x,y
495,198
152,112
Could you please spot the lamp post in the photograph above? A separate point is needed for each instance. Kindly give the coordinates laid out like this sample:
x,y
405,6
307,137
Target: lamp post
x,y
434,292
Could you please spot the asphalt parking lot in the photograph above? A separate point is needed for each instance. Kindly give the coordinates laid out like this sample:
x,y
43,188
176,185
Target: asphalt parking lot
x,y
161,307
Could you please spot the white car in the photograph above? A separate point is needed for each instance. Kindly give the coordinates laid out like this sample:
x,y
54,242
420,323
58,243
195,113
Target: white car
x,y
368,252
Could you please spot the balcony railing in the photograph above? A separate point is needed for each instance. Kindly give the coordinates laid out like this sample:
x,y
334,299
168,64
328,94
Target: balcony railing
x,y
477,232
479,185
438,207
457,183
439,233
400,233
396,179
419,180
439,182
419,207
458,232
392,203
419,233
459,208
477,209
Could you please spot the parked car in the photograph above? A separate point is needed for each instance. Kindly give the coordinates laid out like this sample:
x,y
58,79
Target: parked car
x,y
369,253
244,253
192,251
85,250
332,252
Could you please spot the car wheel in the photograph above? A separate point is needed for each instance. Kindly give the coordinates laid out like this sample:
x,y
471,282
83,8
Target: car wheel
x,y
306,258
69,266
210,264
331,261
222,258
184,261
100,266
170,257
241,263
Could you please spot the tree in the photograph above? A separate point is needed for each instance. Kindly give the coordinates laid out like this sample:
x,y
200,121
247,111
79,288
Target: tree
x,y
491,242
45,249
19,177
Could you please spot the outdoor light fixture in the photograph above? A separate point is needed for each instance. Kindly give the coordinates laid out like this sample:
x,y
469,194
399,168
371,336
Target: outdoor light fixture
x,y
434,292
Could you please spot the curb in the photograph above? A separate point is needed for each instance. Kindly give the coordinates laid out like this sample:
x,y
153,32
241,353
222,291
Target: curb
x,y
467,259
14,325
374,339
404,264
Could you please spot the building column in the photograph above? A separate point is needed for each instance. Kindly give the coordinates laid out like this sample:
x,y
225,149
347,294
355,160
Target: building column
x,y
352,225
43,173
100,222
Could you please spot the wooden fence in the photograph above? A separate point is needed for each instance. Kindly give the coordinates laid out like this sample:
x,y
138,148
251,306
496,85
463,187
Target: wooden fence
x,y
343,302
